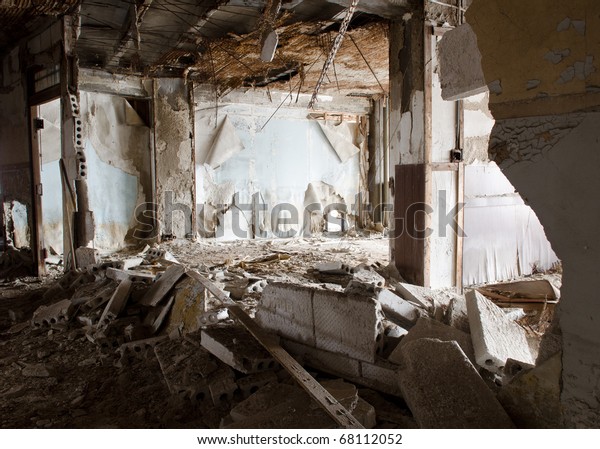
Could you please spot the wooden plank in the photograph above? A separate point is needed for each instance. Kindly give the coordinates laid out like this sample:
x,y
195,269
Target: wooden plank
x,y
409,215
429,40
460,219
444,166
506,300
163,285
327,402
36,187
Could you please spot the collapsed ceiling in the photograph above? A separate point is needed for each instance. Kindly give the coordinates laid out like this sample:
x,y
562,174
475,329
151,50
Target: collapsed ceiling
x,y
217,41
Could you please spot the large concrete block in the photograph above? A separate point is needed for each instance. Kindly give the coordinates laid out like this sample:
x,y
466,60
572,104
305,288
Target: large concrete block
x,y
456,314
350,325
495,337
428,328
236,347
443,389
59,312
397,309
287,310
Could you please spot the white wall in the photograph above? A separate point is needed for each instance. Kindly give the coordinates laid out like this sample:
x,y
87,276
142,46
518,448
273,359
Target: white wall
x,y
279,162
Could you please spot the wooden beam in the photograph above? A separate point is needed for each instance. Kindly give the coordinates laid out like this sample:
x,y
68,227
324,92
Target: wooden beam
x,y
428,39
327,402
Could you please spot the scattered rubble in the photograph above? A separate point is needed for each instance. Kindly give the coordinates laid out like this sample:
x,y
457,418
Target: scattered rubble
x,y
422,358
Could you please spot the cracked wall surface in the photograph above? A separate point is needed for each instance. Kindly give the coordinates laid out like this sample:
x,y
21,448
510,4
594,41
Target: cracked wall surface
x,y
175,168
549,149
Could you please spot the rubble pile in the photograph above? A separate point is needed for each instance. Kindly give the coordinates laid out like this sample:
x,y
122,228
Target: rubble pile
x,y
404,356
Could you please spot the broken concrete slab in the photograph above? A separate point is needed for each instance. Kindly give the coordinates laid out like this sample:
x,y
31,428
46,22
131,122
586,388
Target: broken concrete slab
x,y
59,312
368,277
236,347
421,296
287,310
333,268
495,337
397,309
189,303
443,389
532,398
336,318
163,285
116,304
428,328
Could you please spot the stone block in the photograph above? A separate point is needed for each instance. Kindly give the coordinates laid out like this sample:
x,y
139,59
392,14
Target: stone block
x,y
349,325
428,328
397,309
333,268
287,310
236,347
495,337
59,312
443,389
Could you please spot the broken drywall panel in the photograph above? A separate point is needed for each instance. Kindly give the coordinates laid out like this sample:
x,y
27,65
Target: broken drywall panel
x,y
478,125
444,230
278,163
341,138
225,145
504,238
495,337
460,64
411,132
91,80
175,170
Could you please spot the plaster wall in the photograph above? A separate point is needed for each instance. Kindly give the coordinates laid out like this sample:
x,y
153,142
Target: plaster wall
x,y
288,160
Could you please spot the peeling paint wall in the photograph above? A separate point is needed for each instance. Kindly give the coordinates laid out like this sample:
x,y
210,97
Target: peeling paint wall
x,y
557,57
290,160
118,159
175,167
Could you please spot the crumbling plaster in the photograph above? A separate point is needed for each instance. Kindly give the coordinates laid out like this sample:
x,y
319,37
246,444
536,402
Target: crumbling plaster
x,y
553,160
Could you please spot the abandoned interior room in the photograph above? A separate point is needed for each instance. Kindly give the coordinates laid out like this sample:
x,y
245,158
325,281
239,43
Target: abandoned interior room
x,y
277,214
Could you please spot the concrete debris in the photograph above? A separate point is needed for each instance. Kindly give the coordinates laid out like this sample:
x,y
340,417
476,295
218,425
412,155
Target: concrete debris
x,y
398,310
532,398
163,285
59,312
236,347
495,337
120,275
443,389
116,304
333,268
86,257
456,314
36,370
428,328
252,383
213,317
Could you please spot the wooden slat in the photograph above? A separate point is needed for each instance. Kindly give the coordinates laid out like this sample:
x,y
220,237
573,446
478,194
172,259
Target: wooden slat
x,y
444,166
460,199
327,402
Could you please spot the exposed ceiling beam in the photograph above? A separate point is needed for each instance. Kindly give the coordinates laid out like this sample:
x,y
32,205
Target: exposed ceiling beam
x,y
389,9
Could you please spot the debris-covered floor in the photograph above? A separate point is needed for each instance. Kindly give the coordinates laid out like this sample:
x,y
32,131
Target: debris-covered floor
x,y
135,340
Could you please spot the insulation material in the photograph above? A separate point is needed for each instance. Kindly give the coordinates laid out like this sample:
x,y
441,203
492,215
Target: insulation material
x,y
226,144
341,139
504,238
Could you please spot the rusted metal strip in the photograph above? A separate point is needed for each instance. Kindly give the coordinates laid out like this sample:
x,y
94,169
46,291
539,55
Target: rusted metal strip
x,y
327,402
